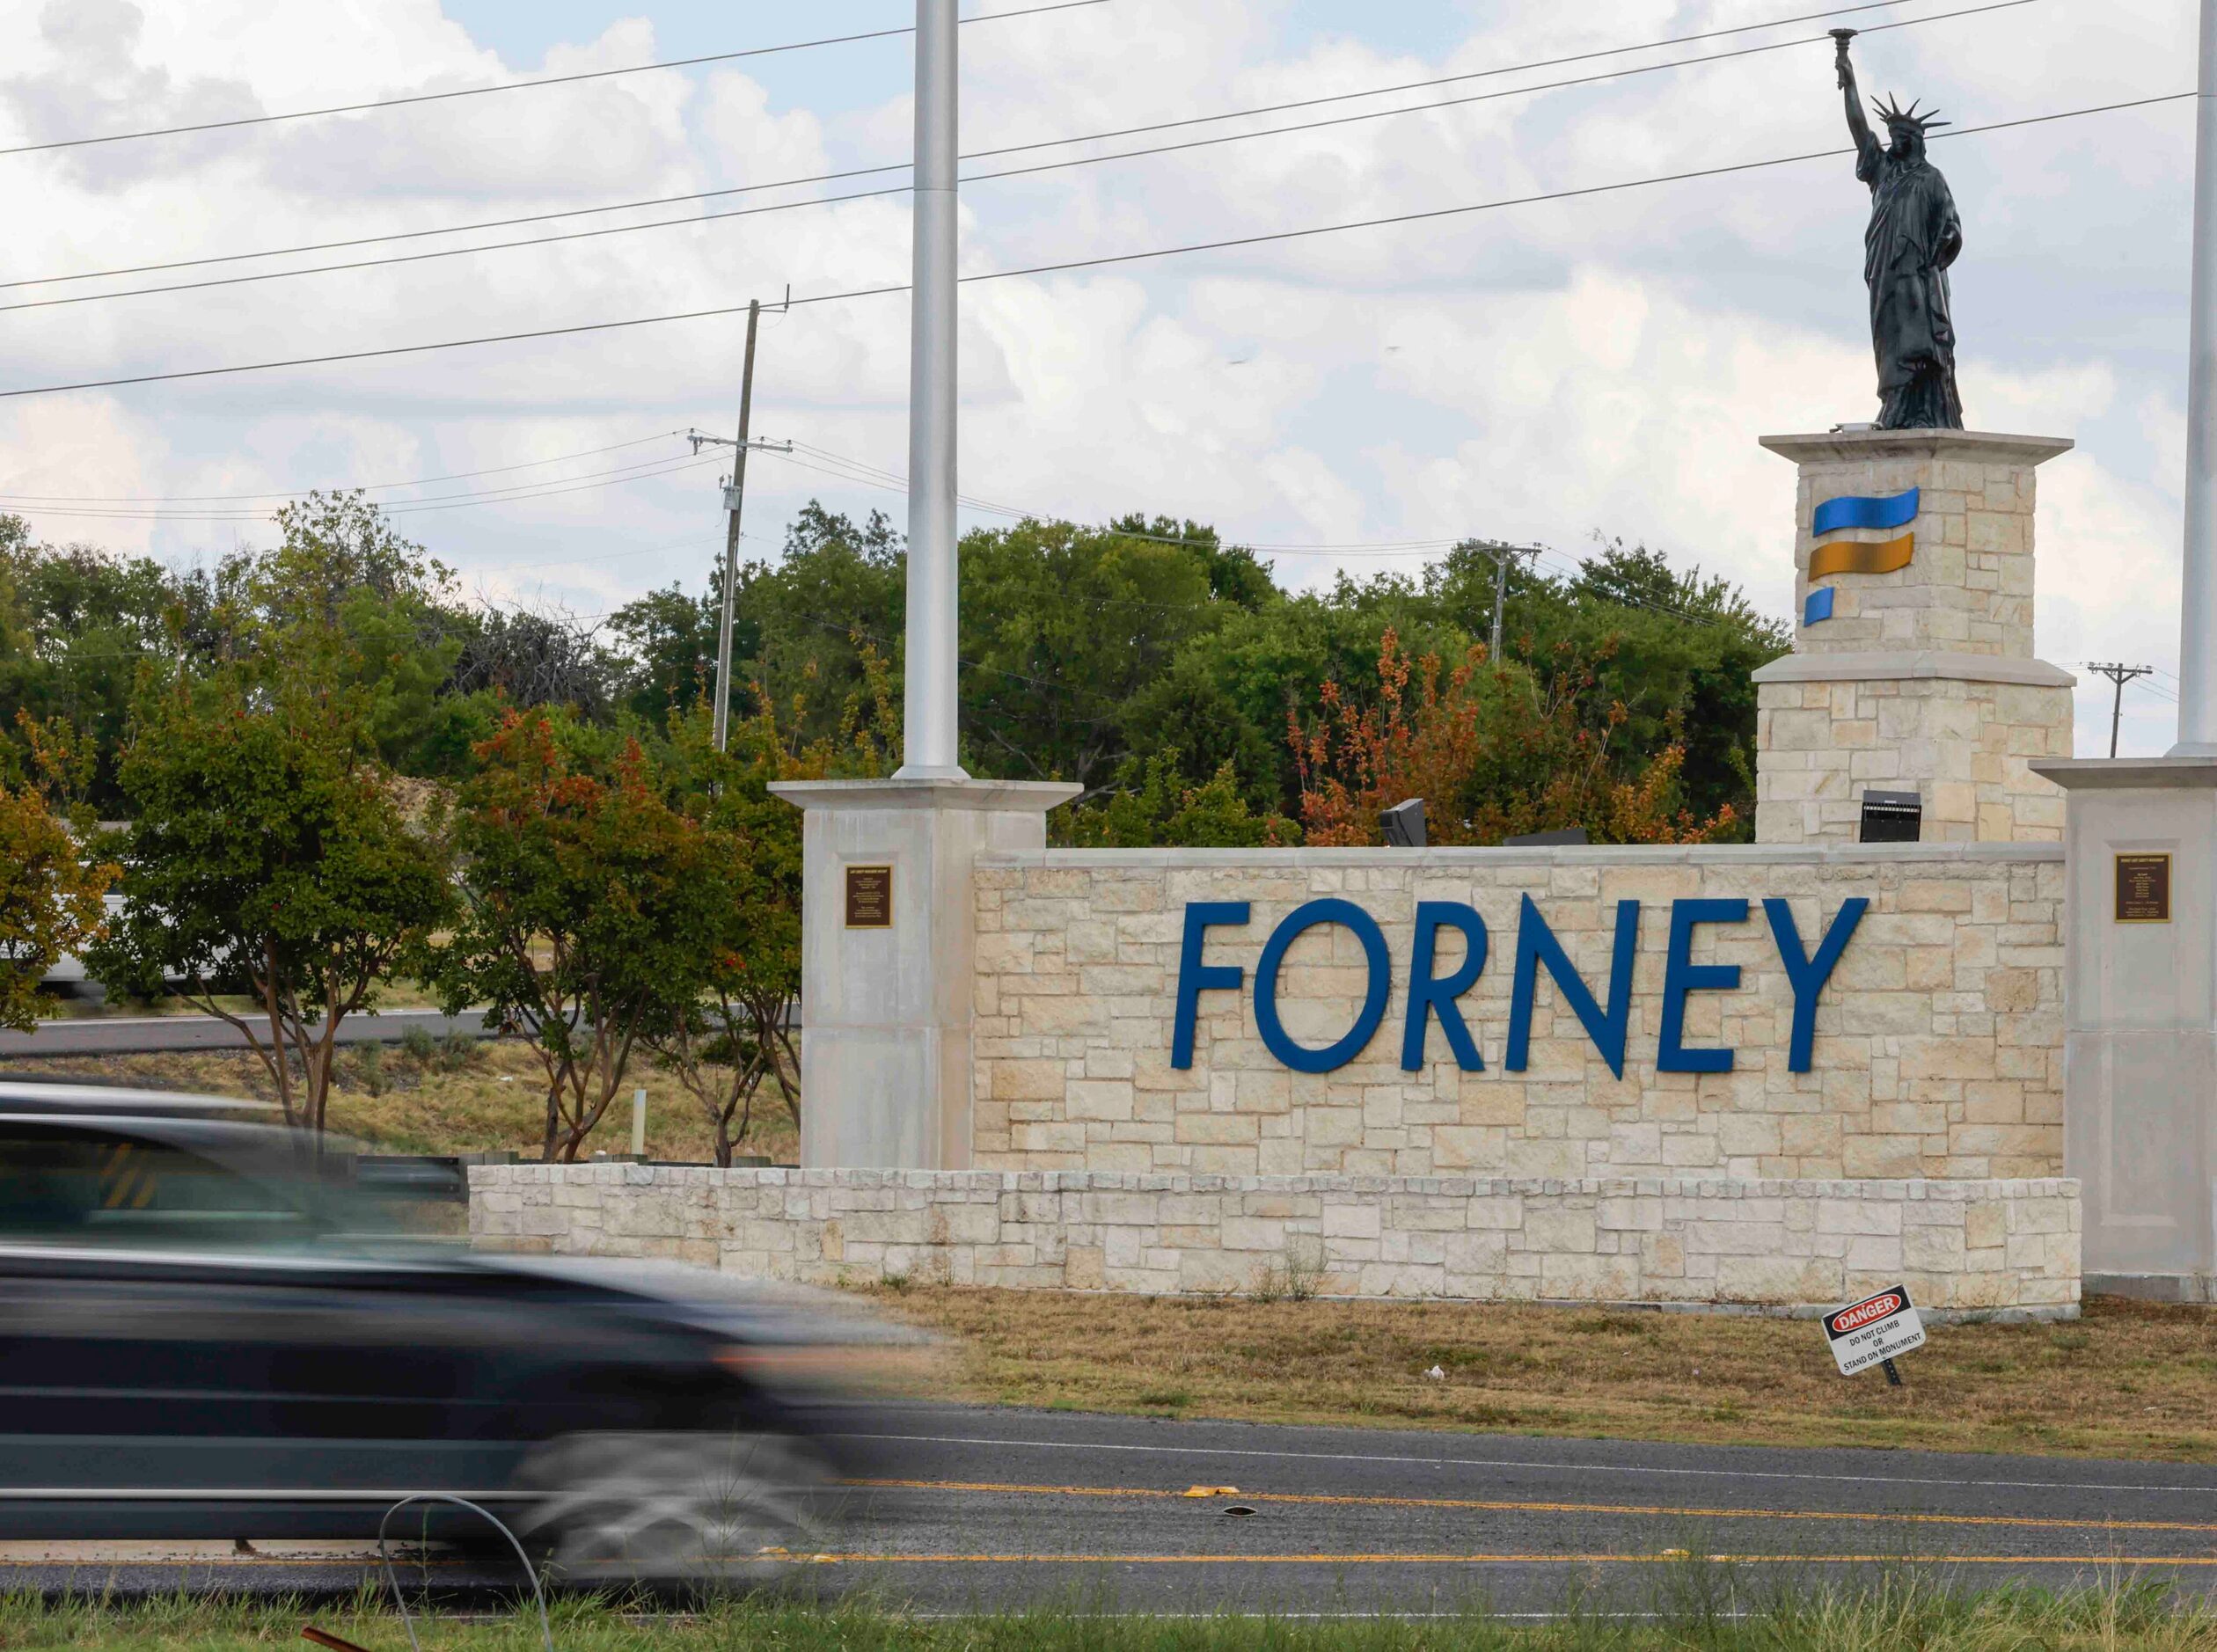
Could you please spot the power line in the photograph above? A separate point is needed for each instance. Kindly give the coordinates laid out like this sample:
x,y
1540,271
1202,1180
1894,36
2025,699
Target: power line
x,y
366,487
405,508
973,178
893,481
896,167
1102,261
513,85
465,251
2118,676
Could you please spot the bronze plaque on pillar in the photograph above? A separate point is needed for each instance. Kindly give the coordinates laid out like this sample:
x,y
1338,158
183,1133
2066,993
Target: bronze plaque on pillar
x,y
869,897
2143,889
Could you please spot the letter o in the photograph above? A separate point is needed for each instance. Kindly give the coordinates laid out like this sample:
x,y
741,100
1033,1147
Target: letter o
x,y
1296,924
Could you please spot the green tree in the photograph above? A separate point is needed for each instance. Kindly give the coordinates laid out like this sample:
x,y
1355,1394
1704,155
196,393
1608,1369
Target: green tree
x,y
1061,626
1151,808
74,626
800,627
50,891
667,640
588,913
736,1034
267,854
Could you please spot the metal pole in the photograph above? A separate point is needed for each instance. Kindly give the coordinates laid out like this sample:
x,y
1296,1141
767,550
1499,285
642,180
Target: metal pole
x,y
731,534
930,742
2197,573
2117,710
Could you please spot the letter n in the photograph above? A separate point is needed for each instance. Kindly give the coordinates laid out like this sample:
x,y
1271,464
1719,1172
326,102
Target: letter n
x,y
1536,944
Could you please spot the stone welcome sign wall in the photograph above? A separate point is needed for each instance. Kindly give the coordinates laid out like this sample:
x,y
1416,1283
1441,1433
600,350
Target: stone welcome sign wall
x,y
1938,1031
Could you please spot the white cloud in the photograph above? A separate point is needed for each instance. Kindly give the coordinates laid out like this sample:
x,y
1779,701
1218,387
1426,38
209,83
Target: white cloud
x,y
1532,372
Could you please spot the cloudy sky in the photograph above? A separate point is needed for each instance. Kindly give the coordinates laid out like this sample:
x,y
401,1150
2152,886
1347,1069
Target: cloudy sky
x,y
1539,372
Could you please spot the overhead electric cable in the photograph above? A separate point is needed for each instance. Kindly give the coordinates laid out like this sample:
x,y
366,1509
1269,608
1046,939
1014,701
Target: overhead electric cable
x,y
516,86
1516,69
1013,172
405,508
878,476
1017,171
1098,261
303,492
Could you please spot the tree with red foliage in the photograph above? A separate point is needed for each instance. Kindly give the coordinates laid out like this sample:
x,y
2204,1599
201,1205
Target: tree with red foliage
x,y
1494,747
592,913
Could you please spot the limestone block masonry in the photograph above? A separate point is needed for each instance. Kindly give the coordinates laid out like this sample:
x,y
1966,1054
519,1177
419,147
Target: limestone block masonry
x,y
1984,1248
1938,1046
1922,678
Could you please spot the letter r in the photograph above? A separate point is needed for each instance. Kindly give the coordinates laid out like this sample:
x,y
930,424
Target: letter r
x,y
1428,995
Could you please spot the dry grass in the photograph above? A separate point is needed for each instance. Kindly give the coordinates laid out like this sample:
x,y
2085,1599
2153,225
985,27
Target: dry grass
x,y
490,1097
2129,1380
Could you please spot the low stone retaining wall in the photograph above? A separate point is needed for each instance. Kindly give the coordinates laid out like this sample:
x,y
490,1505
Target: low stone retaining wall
x,y
2006,1247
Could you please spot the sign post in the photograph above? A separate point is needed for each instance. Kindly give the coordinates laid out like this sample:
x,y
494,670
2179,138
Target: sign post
x,y
1871,1332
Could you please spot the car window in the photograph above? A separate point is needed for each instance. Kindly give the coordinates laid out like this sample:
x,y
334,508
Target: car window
x,y
85,1187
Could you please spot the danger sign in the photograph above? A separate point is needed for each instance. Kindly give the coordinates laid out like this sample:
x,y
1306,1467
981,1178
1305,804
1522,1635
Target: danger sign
x,y
1866,1333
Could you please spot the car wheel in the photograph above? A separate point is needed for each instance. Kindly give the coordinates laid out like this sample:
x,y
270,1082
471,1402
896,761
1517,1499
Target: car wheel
x,y
658,1508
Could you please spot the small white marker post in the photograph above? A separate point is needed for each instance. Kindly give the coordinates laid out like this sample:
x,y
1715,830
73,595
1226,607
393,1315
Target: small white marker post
x,y
639,1123
1871,1332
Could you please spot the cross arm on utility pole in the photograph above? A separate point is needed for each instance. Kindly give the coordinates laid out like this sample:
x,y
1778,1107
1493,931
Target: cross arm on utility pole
x,y
1503,556
2120,675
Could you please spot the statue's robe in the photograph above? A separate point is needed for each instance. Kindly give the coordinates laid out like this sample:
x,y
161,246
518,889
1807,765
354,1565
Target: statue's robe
x,y
1915,235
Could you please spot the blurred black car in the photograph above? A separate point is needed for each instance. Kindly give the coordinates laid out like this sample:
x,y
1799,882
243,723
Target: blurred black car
x,y
196,1340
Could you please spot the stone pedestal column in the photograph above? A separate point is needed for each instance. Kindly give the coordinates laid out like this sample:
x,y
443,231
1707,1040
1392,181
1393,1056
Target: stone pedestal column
x,y
2140,1005
887,959
1913,667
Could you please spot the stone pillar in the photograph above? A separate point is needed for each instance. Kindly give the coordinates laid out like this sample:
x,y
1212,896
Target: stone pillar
x,y
1912,667
2139,1006
887,947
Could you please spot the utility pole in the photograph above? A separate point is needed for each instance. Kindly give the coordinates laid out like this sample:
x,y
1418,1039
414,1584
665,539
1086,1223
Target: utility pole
x,y
1501,554
2120,674
930,738
2198,572
735,496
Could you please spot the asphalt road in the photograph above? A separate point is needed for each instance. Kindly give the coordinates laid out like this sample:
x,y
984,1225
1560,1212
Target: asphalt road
x,y
962,1508
141,1034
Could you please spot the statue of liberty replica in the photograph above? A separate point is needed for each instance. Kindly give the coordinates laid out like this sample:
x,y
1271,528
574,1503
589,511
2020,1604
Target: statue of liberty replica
x,y
1913,235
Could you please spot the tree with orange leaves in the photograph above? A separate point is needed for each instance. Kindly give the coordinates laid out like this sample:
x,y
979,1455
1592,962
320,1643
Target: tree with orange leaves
x,y
591,912
1494,747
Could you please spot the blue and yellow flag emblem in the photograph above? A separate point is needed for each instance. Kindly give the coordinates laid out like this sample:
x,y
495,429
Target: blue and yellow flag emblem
x,y
1858,556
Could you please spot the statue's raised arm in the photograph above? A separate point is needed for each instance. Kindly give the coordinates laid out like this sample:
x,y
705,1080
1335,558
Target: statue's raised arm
x,y
1867,145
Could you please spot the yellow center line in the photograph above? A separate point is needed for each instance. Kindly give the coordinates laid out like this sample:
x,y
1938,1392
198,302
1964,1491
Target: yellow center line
x,y
1507,1506
1524,1560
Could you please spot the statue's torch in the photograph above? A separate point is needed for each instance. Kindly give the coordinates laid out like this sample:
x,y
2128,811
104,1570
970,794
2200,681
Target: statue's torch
x,y
1843,36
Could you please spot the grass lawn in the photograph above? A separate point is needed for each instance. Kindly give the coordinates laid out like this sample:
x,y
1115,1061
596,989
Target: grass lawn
x,y
2128,1380
467,1098
1900,1612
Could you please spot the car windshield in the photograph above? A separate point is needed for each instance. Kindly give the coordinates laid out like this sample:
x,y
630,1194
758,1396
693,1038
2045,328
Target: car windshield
x,y
76,1184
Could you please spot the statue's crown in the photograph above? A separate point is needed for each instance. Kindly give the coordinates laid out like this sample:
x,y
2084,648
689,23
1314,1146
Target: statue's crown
x,y
1895,116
